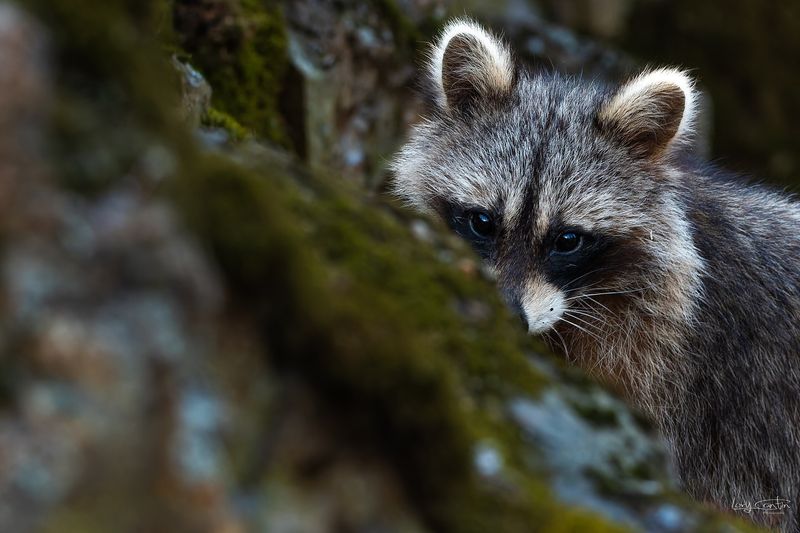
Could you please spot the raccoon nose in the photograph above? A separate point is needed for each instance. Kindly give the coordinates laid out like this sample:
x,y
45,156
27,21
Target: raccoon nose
x,y
524,319
516,305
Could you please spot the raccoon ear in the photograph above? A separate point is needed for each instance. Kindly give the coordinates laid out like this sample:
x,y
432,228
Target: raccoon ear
x,y
651,112
467,64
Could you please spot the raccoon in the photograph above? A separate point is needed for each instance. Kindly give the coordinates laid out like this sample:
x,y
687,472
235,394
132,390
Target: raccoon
x,y
670,279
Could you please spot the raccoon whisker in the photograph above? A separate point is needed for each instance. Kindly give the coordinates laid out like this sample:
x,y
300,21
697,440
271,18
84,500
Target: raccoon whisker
x,y
608,354
602,291
594,287
583,276
591,300
593,306
592,327
641,289
563,343
573,324
591,318
585,287
585,311
587,329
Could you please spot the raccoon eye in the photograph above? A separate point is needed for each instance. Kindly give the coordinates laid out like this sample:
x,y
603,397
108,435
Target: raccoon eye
x,y
481,224
567,242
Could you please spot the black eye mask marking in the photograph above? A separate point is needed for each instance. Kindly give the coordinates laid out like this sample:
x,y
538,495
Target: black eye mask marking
x,y
477,225
571,254
570,257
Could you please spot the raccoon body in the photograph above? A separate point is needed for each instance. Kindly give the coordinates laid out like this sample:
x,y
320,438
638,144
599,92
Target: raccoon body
x,y
668,278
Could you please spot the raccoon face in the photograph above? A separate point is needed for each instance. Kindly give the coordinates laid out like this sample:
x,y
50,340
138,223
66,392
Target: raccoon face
x,y
563,187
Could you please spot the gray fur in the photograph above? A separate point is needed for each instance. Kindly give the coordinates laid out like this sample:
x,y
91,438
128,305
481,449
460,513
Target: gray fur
x,y
688,294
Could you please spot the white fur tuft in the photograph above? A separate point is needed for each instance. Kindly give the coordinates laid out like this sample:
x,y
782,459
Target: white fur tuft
x,y
543,304
632,98
646,81
493,62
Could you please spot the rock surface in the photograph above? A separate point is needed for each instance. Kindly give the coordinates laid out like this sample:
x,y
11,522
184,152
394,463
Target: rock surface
x,y
207,335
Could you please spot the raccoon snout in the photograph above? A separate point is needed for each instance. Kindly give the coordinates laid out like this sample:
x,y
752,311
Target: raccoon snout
x,y
539,306
542,306
515,304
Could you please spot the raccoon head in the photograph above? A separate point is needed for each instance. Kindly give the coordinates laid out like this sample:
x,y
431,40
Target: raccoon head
x,y
566,188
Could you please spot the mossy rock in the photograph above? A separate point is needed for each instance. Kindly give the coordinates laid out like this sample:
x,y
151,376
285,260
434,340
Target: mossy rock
x,y
350,301
216,119
240,47
415,358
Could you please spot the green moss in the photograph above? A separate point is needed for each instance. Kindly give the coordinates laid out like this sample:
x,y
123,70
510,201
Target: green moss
x,y
240,47
329,337
215,118
342,295
347,299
